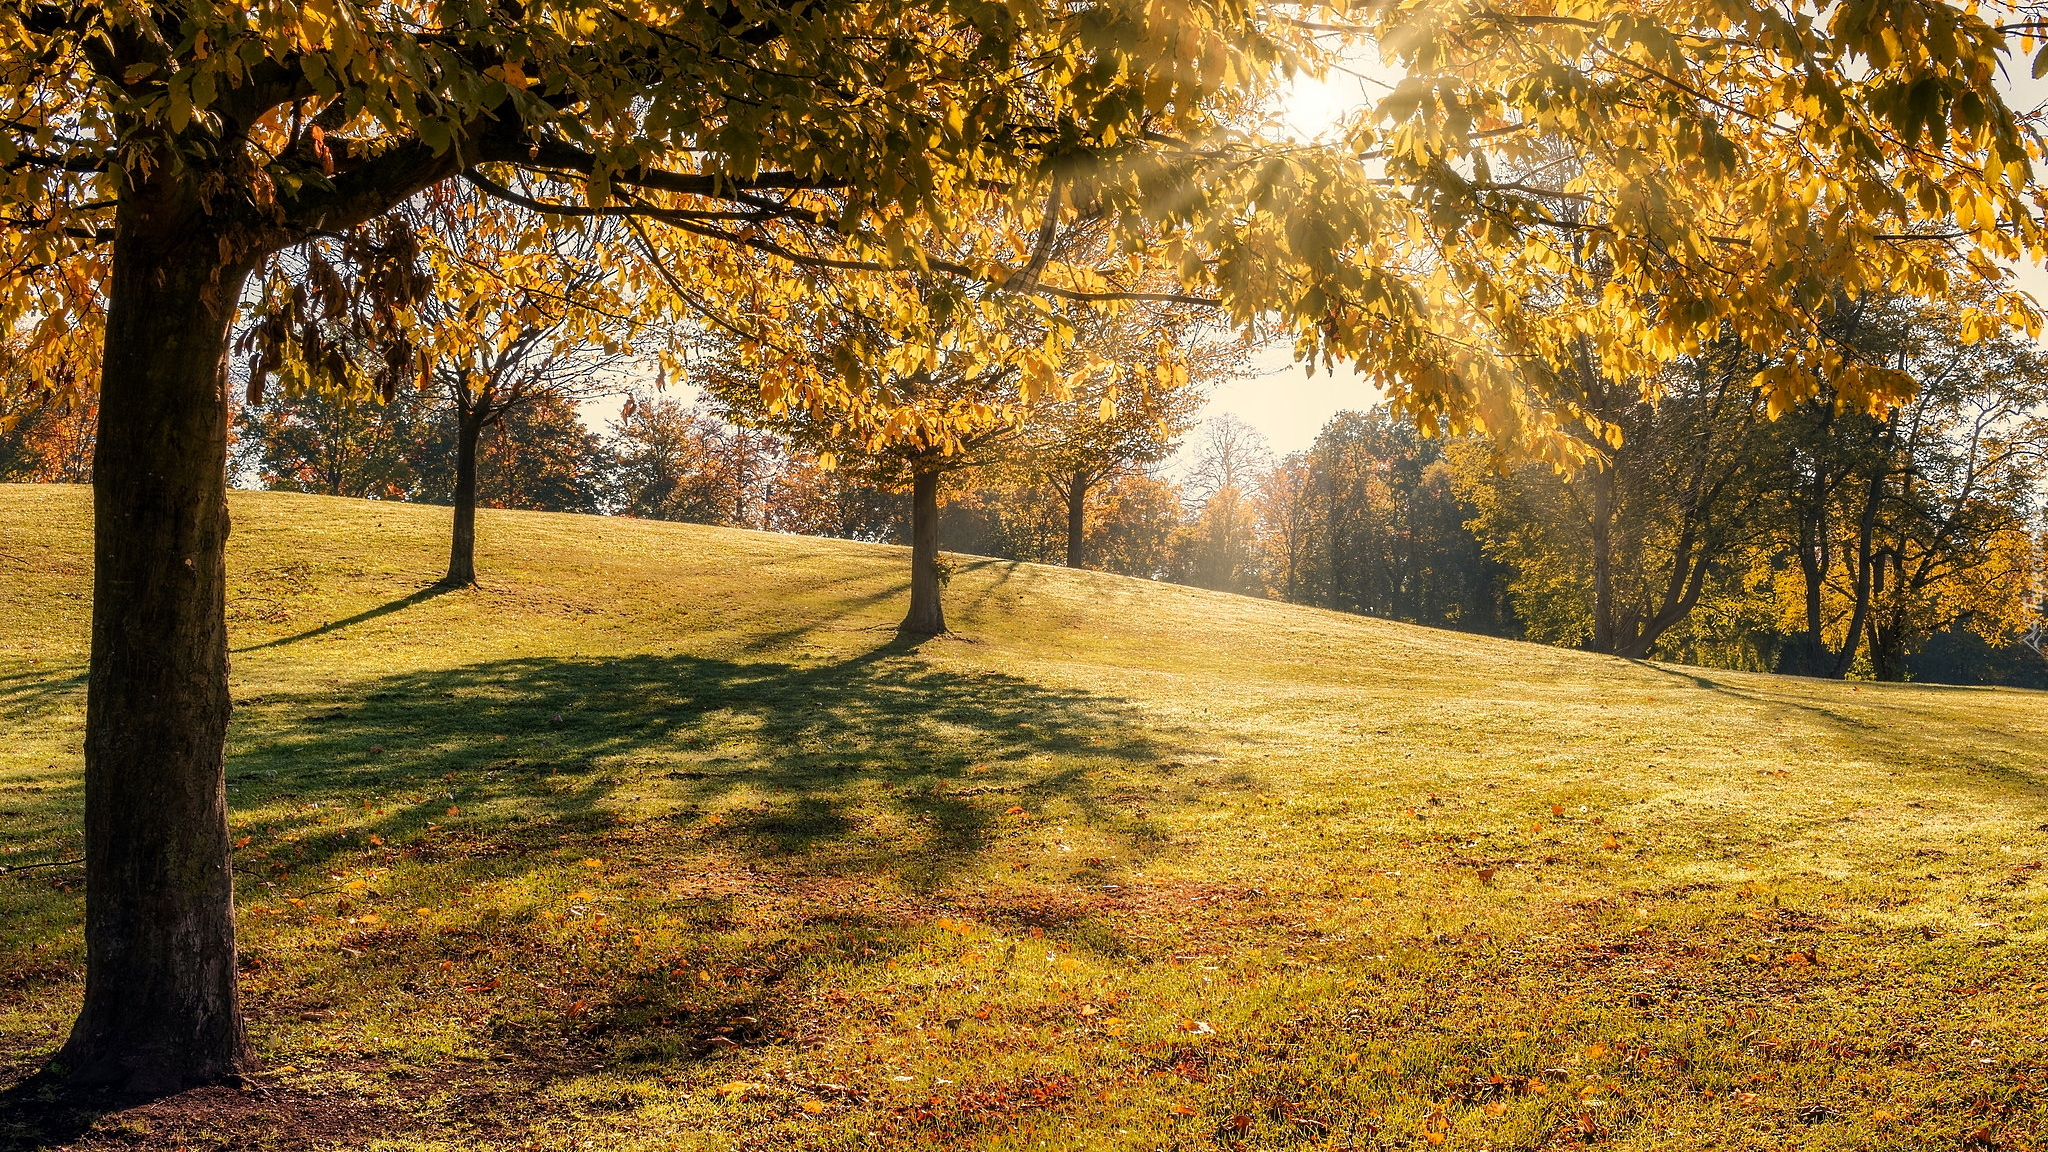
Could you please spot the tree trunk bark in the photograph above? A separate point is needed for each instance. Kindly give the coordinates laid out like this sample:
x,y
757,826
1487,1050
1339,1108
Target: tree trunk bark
x,y
1077,518
161,1010
469,428
926,617
1866,531
1603,560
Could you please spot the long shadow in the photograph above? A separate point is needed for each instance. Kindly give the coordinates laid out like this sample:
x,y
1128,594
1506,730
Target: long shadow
x,y
368,614
871,773
819,744
1935,740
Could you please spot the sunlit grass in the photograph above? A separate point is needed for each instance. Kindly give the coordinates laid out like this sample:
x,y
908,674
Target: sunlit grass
x,y
661,840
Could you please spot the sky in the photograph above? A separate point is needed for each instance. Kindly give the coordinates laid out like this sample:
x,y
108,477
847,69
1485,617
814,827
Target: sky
x,y
1279,397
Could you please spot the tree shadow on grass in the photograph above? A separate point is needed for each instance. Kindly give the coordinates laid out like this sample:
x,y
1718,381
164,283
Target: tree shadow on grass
x,y
551,740
1936,739
880,782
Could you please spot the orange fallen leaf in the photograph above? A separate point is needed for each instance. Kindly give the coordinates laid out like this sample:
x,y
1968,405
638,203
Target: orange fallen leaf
x,y
1014,810
814,1106
1610,844
1486,875
242,843
453,810
1557,809
578,1008
1494,1107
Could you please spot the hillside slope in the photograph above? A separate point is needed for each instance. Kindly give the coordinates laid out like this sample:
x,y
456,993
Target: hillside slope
x,y
662,839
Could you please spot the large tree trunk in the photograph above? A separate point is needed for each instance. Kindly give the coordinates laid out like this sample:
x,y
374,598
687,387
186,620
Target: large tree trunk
x,y
926,617
469,427
161,1009
1077,518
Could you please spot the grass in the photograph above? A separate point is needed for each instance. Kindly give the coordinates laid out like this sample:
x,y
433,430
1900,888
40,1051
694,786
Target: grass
x,y
662,840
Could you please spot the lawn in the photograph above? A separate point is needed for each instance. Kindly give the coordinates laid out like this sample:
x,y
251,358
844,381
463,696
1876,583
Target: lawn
x,y
662,840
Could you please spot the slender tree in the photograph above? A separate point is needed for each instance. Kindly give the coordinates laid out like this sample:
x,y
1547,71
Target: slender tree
x,y
1157,363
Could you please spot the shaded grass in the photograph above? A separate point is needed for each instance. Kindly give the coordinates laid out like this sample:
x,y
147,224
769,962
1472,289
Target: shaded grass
x,y
660,839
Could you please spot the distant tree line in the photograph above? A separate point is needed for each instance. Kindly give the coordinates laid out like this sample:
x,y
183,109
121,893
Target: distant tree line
x,y
1827,540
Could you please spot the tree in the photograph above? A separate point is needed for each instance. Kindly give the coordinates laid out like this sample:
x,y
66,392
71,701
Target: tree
x,y
1919,519
509,313
155,155
1616,553
1118,422
682,462
1223,550
48,440
1368,520
335,445
936,415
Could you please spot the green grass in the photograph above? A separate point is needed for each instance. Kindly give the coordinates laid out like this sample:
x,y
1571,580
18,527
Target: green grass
x,y
662,840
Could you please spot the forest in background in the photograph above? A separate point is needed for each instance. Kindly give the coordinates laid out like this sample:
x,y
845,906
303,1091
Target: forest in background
x,y
1824,540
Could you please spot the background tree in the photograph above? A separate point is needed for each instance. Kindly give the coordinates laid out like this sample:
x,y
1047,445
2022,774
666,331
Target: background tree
x,y
333,444
1368,521
49,439
677,461
1616,553
1157,365
1222,549
1905,524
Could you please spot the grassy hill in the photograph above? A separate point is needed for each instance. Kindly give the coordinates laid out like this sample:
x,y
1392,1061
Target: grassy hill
x,y
661,839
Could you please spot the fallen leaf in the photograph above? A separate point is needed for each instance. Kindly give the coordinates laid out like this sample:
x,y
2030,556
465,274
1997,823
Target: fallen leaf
x,y
1557,809
453,810
1494,1107
1610,844
814,1106
1014,810
578,1008
1486,875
